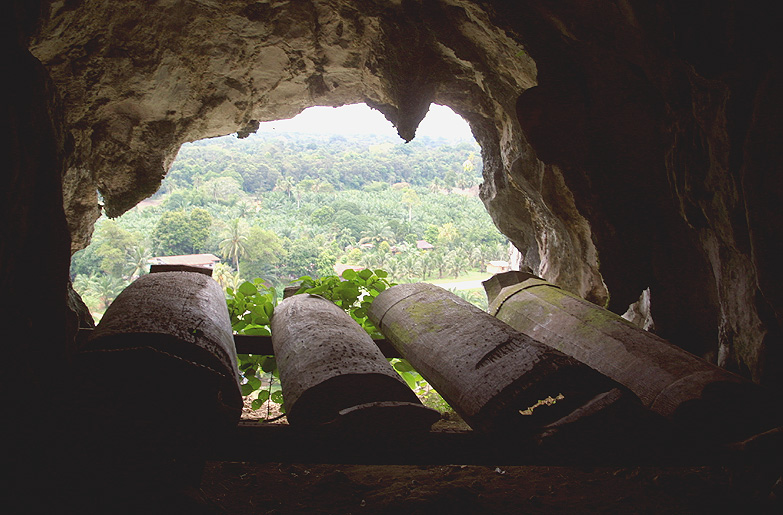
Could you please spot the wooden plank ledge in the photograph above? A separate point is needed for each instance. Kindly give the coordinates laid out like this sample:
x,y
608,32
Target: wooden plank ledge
x,y
245,344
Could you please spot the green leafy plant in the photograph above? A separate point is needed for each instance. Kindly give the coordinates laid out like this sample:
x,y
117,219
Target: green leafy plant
x,y
250,308
354,293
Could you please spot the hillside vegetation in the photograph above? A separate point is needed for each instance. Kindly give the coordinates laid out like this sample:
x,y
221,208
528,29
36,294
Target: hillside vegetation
x,y
281,206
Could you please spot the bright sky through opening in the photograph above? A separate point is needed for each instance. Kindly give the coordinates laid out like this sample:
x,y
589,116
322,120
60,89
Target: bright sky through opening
x,y
440,122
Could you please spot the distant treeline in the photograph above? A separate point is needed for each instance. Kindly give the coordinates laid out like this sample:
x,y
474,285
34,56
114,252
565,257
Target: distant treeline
x,y
262,161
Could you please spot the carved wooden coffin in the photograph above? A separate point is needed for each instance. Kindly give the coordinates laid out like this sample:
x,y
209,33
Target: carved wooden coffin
x,y
332,372
164,349
700,397
490,373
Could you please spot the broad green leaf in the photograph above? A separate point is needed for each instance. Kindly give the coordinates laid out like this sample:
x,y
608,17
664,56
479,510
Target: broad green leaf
x,y
254,381
411,381
247,389
256,330
247,289
260,319
403,366
248,366
269,364
317,290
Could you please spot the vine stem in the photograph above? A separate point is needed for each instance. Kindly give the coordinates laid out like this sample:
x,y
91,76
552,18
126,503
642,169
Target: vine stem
x,y
269,397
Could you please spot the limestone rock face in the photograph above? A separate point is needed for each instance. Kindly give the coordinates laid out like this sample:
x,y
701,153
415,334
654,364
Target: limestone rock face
x,y
141,80
643,136
660,118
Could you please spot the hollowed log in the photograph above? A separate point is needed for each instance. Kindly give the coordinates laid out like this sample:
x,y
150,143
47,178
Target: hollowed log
x,y
702,399
332,372
487,371
166,342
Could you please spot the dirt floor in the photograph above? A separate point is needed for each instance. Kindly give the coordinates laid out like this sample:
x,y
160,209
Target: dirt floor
x,y
283,488
454,489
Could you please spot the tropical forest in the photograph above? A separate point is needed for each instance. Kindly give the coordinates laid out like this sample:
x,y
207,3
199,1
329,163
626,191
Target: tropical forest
x,y
281,206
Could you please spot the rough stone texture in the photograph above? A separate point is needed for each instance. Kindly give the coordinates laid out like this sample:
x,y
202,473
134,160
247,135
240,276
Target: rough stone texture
x,y
662,119
645,135
186,315
658,121
141,80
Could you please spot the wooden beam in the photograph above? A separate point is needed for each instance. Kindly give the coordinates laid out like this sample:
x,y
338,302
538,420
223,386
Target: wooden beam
x,y
181,268
261,345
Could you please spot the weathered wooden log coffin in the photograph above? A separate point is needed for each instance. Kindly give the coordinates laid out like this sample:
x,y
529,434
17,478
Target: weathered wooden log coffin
x,y
699,397
155,386
332,373
164,348
490,373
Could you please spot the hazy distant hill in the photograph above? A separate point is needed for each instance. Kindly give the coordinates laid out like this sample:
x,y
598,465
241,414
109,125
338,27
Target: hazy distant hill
x,y
345,162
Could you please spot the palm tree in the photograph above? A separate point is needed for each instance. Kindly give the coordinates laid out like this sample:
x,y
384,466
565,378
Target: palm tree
x,y
439,262
437,185
138,263
409,265
285,185
427,263
221,273
476,258
243,208
233,280
377,231
105,288
369,260
457,262
233,246
299,190
81,283
410,199
383,254
393,268
448,234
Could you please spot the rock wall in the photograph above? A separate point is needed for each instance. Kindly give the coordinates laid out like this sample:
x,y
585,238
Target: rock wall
x,y
661,118
37,328
627,145
140,81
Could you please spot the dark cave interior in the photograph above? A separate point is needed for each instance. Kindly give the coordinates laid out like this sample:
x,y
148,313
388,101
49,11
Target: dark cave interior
x,y
628,146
